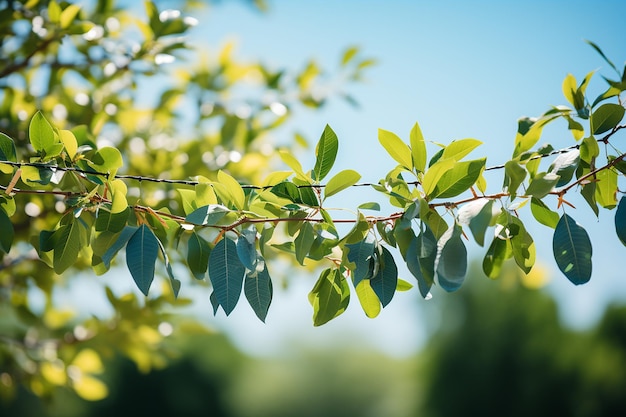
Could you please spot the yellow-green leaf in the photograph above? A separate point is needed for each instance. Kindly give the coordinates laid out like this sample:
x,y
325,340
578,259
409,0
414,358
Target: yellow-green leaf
x,y
344,179
394,146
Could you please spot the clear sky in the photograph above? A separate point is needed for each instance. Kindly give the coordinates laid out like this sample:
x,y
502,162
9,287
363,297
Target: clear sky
x,y
460,68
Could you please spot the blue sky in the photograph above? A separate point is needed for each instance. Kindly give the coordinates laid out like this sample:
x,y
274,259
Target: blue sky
x,y
461,69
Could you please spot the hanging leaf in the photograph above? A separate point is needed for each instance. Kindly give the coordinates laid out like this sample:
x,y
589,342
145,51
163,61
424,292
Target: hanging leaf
x,y
8,233
121,241
236,194
384,283
395,147
572,250
368,299
226,273
620,220
543,214
141,254
246,248
421,256
304,241
258,291
342,180
499,251
515,175
360,254
67,245
523,247
565,166
170,272
330,296
198,252
325,154
451,265
606,188
477,214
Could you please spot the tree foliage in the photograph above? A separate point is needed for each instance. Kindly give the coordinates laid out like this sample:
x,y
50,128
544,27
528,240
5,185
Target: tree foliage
x,y
90,173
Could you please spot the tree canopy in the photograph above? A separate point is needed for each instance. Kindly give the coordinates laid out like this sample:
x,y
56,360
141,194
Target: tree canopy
x,y
189,187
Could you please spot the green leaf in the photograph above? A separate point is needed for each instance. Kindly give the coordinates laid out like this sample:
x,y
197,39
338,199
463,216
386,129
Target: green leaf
x,y
325,154
434,174
458,149
360,254
598,50
396,148
499,251
369,206
458,179
418,148
107,159
385,281
572,250
294,164
542,184
111,222
258,291
606,117
307,195
329,297
565,166
41,133
523,246
8,233
226,273
235,192
420,259
207,215
120,242
304,241
170,272
543,214
528,134
620,220
477,214
67,245
403,285
141,253
452,259
246,249
198,252
515,176
344,179
606,188
68,15
589,149
7,148
368,299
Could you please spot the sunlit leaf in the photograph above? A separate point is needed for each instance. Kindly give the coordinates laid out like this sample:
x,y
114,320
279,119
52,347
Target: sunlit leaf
x,y
515,175
330,296
237,196
418,148
565,166
368,299
434,174
523,247
543,214
207,215
325,154
458,149
395,147
542,184
41,133
458,179
606,188
572,250
342,180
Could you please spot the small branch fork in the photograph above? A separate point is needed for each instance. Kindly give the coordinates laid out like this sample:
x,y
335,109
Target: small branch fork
x,y
97,199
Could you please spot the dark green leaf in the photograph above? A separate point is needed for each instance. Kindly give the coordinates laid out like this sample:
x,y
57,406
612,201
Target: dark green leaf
x,y
360,254
620,220
325,154
7,234
67,245
477,214
420,259
403,234
452,264
198,252
515,175
523,247
565,166
226,273
141,253
246,248
121,241
384,283
598,50
572,250
111,222
258,290
207,215
499,251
